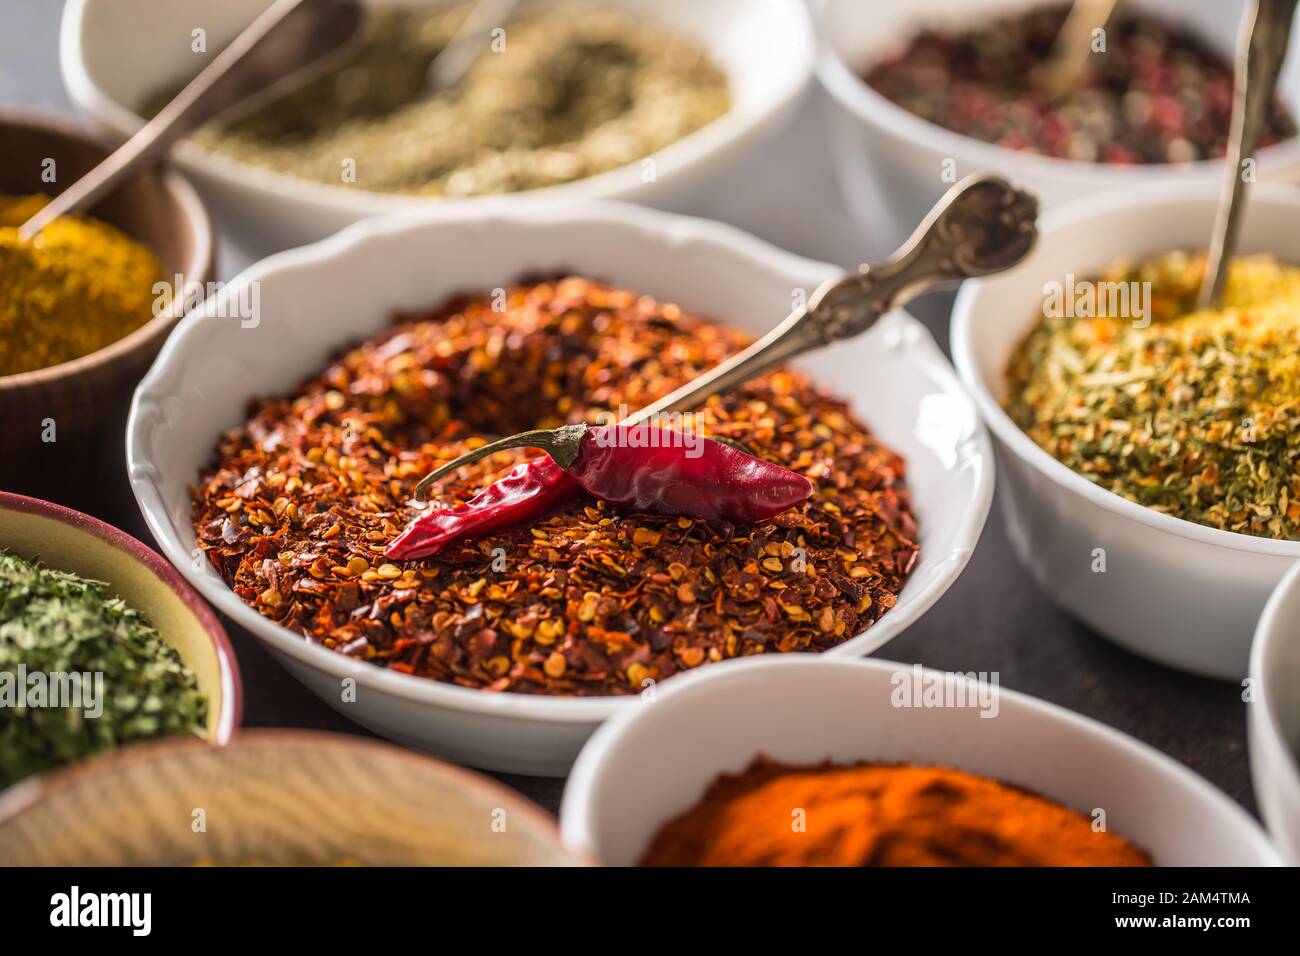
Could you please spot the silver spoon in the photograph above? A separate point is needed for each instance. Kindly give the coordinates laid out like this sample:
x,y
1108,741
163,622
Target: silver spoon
x,y
981,226
1261,48
466,45
279,47
1060,72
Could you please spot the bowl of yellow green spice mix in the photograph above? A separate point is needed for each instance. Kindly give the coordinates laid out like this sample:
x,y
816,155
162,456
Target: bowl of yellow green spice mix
x,y
1149,448
567,100
102,645
85,304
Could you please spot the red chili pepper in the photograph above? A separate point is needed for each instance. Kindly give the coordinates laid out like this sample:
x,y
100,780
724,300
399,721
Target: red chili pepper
x,y
660,471
529,491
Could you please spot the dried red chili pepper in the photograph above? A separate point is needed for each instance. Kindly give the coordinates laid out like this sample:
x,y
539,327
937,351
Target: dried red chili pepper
x,y
653,470
529,491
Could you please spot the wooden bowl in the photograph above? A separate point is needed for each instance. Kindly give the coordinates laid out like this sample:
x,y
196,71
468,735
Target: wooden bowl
x,y
273,797
71,541
87,398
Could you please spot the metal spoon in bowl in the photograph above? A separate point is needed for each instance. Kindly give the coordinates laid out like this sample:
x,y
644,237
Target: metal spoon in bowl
x,y
286,45
980,227
466,45
1261,48
1060,72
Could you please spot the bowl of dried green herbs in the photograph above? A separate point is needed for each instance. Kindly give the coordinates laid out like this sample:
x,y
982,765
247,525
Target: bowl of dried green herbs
x,y
1150,448
650,102
102,644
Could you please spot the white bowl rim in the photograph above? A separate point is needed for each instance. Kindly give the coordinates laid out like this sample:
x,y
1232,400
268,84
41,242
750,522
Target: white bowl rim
x,y
1268,632
656,225
576,804
1024,447
855,95
673,160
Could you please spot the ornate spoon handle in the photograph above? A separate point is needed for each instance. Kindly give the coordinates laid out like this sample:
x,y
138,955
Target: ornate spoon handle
x,y
981,226
1261,48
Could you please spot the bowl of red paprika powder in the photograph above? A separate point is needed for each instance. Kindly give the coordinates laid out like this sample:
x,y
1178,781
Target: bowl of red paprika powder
x,y
1000,778
483,677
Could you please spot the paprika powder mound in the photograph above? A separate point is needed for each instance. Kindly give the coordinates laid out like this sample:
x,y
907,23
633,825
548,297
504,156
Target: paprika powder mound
x,y
880,815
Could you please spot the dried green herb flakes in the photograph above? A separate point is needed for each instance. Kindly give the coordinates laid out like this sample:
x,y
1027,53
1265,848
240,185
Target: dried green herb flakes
x,y
54,624
1197,414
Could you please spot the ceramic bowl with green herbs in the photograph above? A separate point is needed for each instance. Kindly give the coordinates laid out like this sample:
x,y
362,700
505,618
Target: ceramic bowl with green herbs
x,y
1168,570
102,644
647,101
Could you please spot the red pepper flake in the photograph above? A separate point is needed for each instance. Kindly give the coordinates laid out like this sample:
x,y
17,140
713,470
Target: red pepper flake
x,y
582,598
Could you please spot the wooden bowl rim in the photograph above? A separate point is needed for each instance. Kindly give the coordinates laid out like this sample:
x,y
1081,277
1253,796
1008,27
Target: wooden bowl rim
x,y
188,206
24,795
232,704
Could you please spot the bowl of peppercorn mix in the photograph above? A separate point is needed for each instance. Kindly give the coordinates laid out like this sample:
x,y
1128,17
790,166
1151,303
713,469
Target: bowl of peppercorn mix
x,y
288,453
801,761
1147,445
923,93
640,100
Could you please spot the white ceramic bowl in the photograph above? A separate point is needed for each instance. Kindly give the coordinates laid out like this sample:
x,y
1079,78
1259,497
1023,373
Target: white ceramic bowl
x,y
1274,724
885,155
115,53
805,710
1180,593
317,299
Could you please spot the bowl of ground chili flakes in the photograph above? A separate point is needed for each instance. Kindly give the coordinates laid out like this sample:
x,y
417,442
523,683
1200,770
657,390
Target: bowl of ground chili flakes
x,y
820,762
276,465
641,100
925,92
1149,446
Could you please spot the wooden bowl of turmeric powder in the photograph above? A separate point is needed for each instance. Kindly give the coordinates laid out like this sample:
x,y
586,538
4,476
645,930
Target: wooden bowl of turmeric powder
x,y
85,306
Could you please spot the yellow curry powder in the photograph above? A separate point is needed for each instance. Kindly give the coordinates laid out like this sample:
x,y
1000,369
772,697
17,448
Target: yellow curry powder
x,y
75,288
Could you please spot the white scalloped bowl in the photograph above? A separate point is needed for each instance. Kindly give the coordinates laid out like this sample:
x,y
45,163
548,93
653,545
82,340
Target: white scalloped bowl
x,y
115,53
317,299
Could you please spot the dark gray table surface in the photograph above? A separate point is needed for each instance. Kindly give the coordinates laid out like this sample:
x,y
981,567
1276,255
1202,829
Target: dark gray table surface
x,y
993,619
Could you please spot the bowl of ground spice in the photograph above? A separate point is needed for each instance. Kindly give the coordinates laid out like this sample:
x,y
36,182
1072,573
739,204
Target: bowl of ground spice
x,y
289,455
102,645
274,798
81,315
652,102
803,761
1149,446
925,94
